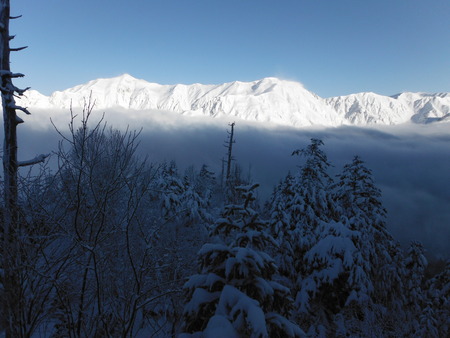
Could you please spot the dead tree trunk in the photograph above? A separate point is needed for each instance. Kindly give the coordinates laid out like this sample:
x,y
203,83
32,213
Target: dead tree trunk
x,y
10,246
11,254
230,150
10,122
222,173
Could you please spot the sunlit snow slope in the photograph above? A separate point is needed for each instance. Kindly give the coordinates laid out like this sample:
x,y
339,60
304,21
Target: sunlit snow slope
x,y
267,100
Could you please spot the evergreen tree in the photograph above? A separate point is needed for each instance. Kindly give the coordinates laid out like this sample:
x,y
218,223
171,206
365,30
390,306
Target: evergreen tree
x,y
181,229
428,325
194,204
312,202
310,211
235,290
377,282
171,189
205,182
357,195
351,274
436,316
232,195
283,229
415,265
335,277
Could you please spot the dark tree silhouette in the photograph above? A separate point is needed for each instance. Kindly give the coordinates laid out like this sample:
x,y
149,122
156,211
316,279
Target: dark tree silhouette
x,y
11,253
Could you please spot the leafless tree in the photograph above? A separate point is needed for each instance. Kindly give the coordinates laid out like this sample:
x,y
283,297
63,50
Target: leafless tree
x,y
103,211
229,146
12,255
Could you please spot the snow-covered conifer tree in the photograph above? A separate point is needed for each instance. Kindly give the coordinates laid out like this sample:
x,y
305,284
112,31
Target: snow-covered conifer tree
x,y
182,230
195,203
428,325
415,265
234,293
360,209
171,190
436,315
205,181
311,206
283,229
312,201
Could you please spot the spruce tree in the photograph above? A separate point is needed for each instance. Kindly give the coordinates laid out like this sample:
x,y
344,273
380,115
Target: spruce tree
x,y
171,189
312,201
235,288
205,182
335,278
415,265
283,229
311,207
195,205
359,207
435,317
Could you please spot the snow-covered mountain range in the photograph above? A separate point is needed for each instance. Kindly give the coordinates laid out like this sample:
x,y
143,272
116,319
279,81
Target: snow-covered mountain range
x,y
267,100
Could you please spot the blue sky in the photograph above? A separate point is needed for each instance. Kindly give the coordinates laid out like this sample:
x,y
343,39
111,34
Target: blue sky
x,y
332,47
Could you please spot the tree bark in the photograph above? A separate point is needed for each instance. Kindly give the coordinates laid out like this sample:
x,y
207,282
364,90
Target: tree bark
x,y
10,246
230,150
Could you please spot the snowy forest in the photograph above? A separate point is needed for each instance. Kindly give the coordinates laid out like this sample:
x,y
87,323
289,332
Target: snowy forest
x,y
112,244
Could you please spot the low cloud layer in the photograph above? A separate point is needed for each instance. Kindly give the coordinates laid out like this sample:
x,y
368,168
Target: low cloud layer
x,y
410,163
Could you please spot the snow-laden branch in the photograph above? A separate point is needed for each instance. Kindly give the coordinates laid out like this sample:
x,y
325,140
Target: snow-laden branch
x,y
38,159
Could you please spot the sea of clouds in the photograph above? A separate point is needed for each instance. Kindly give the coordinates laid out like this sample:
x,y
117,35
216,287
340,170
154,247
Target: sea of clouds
x,y
410,163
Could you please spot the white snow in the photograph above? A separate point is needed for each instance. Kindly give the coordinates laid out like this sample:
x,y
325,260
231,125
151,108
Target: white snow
x,y
270,100
245,311
199,297
371,108
219,327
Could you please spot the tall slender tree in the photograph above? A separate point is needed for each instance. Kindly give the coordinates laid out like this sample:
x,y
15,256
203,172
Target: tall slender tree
x,y
415,265
229,146
378,256
311,202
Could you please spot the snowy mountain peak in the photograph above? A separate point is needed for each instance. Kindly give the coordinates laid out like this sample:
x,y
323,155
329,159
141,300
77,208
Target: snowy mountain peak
x,y
269,99
107,84
126,77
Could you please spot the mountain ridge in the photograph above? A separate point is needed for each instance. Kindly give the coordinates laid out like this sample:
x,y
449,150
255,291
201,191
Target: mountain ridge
x,y
270,100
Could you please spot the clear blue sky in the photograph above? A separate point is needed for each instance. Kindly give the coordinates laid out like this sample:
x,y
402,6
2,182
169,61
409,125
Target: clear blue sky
x,y
333,47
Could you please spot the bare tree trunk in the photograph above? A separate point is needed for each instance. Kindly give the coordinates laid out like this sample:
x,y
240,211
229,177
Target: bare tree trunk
x,y
10,122
230,150
222,175
12,233
10,254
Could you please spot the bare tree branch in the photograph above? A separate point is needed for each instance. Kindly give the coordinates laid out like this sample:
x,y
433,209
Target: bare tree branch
x,y
18,49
